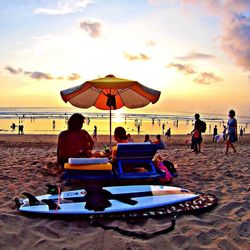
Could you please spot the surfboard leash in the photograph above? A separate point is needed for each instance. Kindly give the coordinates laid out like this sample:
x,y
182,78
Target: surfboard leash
x,y
59,198
140,234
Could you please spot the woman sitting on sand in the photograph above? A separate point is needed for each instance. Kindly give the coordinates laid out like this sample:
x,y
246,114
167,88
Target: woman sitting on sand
x,y
74,142
120,136
159,142
147,138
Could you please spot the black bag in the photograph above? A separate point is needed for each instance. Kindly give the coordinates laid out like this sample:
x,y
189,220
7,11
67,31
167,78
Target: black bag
x,y
97,199
170,167
202,127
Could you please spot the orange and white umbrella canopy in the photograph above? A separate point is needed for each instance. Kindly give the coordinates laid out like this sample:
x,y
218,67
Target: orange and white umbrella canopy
x,y
110,92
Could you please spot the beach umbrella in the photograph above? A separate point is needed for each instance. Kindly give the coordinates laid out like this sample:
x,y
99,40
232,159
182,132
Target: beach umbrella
x,y
110,93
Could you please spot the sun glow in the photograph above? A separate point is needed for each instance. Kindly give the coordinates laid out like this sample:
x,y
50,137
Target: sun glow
x,y
118,116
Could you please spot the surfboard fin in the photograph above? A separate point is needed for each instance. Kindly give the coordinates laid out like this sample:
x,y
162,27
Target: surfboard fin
x,y
33,201
52,205
19,202
126,200
120,198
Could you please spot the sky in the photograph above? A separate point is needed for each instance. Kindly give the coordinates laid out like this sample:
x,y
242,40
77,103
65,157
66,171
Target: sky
x,y
197,53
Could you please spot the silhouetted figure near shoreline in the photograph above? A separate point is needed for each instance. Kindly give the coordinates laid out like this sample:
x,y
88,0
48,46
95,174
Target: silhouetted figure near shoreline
x,y
168,133
215,132
13,126
20,129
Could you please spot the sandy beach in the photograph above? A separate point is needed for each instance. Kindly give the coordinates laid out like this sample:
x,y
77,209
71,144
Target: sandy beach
x,y
25,160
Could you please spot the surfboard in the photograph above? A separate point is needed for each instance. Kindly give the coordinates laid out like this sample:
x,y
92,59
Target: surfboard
x,y
136,197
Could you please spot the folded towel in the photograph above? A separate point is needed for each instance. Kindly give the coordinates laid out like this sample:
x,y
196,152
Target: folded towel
x,y
82,161
105,167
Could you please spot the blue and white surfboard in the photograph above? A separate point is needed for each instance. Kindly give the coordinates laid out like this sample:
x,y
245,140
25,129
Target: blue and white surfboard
x,y
73,202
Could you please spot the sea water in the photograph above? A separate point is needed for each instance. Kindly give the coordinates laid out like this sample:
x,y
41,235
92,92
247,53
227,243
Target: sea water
x,y
54,120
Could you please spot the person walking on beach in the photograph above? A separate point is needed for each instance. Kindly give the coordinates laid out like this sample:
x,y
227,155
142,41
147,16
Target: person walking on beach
x,y
74,142
163,128
231,131
168,133
197,137
224,132
215,132
241,132
95,134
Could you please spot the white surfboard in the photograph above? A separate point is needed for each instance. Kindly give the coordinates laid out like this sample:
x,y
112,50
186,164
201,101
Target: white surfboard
x,y
146,196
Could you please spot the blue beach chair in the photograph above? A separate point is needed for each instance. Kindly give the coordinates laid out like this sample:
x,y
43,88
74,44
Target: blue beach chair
x,y
134,162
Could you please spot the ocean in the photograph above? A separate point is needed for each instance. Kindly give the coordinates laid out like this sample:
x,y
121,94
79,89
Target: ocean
x,y
40,120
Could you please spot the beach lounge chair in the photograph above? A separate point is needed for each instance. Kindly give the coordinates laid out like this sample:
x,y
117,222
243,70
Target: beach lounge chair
x,y
88,169
134,162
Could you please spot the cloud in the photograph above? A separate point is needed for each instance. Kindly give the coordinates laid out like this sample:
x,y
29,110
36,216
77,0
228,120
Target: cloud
x,y
204,78
235,27
38,75
234,20
93,28
73,77
207,78
195,56
185,68
13,70
63,7
235,40
140,56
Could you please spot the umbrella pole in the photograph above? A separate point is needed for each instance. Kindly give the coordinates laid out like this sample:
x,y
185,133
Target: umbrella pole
x,y
110,124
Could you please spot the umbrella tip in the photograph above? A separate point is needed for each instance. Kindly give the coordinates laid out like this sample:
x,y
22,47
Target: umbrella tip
x,y
110,75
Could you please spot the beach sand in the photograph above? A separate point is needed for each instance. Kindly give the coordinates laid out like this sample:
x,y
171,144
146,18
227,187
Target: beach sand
x,y
25,159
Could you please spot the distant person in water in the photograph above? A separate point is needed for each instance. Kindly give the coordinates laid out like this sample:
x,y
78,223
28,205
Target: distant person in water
x,y
13,126
147,139
231,131
74,142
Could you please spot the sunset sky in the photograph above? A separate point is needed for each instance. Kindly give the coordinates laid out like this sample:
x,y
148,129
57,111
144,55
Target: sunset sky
x,y
197,53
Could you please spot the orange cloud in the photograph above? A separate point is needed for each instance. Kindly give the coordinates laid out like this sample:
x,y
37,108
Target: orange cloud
x,y
207,78
13,70
93,28
195,56
73,77
140,56
38,75
184,68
